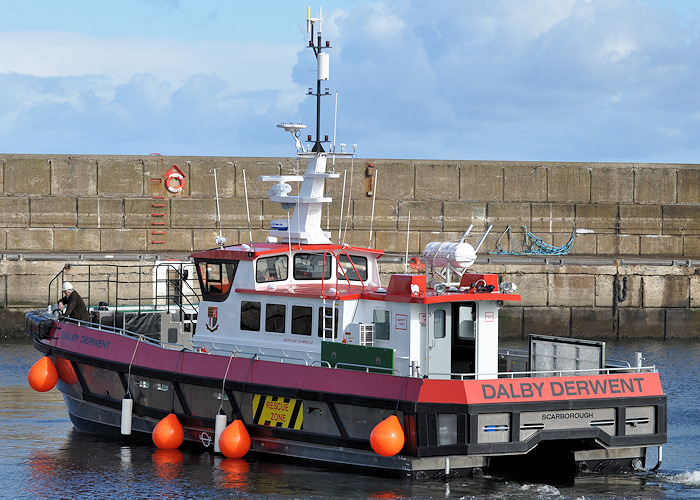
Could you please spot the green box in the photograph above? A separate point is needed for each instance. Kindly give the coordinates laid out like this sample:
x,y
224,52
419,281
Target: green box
x,y
358,357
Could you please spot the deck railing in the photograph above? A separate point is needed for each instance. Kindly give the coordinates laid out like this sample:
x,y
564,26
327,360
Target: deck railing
x,y
608,370
134,288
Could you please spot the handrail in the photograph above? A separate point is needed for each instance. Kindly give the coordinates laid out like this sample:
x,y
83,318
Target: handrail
x,y
549,373
338,266
187,296
337,260
367,368
123,332
259,356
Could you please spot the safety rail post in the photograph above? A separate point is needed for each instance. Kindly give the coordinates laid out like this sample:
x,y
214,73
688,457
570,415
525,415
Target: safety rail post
x,y
89,287
338,266
323,274
140,268
116,297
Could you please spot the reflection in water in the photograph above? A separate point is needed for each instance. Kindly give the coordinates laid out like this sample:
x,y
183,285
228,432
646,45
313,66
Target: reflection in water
x,y
168,464
235,473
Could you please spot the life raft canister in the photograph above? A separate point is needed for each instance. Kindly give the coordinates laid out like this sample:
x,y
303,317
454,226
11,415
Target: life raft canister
x,y
174,180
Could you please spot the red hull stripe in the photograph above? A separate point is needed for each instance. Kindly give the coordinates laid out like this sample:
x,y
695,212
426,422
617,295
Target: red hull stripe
x,y
117,348
519,390
120,349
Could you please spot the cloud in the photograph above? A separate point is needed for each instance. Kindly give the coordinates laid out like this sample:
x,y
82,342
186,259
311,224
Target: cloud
x,y
572,80
75,93
561,80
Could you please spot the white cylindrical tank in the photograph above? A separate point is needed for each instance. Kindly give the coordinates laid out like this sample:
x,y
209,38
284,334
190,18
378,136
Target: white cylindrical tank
x,y
323,66
444,253
127,410
219,427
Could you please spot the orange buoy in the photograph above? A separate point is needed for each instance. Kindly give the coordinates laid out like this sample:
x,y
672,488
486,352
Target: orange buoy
x,y
387,437
42,375
234,442
168,433
65,371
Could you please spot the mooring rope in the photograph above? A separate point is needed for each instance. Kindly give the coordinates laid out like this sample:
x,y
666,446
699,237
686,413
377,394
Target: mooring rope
x,y
128,380
223,383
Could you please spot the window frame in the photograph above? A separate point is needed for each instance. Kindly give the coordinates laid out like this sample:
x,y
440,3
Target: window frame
x,y
326,269
387,323
294,324
225,281
469,323
439,313
275,259
243,314
272,317
355,260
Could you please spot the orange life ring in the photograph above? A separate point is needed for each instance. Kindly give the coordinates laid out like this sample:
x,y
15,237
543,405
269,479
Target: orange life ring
x,y
169,180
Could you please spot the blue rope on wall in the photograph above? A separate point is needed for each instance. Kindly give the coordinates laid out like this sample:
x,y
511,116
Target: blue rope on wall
x,y
534,245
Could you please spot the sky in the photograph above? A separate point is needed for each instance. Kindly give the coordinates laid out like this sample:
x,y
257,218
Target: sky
x,y
531,80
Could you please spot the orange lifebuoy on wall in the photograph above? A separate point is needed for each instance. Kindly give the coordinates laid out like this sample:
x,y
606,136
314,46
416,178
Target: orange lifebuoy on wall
x,y
180,184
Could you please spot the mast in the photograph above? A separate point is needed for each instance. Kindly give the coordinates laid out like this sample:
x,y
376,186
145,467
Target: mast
x,y
322,62
304,226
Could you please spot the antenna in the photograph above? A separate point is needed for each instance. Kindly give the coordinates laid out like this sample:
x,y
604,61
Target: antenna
x,y
335,126
408,232
247,208
347,216
289,238
220,240
374,197
322,66
342,204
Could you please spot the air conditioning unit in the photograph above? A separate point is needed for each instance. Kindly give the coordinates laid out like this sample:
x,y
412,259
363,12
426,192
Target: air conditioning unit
x,y
363,332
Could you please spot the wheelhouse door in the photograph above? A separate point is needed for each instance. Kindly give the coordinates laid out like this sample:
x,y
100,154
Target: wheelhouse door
x,y
464,337
439,341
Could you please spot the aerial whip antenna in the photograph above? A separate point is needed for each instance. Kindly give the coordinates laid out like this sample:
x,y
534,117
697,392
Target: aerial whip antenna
x,y
247,209
220,240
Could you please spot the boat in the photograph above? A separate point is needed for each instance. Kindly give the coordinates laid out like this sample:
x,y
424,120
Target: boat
x,y
292,348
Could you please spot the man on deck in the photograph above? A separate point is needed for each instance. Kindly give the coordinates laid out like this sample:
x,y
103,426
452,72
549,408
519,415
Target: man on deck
x,y
73,303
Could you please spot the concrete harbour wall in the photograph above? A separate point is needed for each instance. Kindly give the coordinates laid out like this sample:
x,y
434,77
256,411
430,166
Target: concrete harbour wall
x,y
646,216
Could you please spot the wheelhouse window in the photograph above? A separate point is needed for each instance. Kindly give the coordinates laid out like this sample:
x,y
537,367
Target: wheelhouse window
x,y
325,315
355,267
271,268
439,324
465,321
382,324
301,320
310,266
274,317
250,316
215,278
